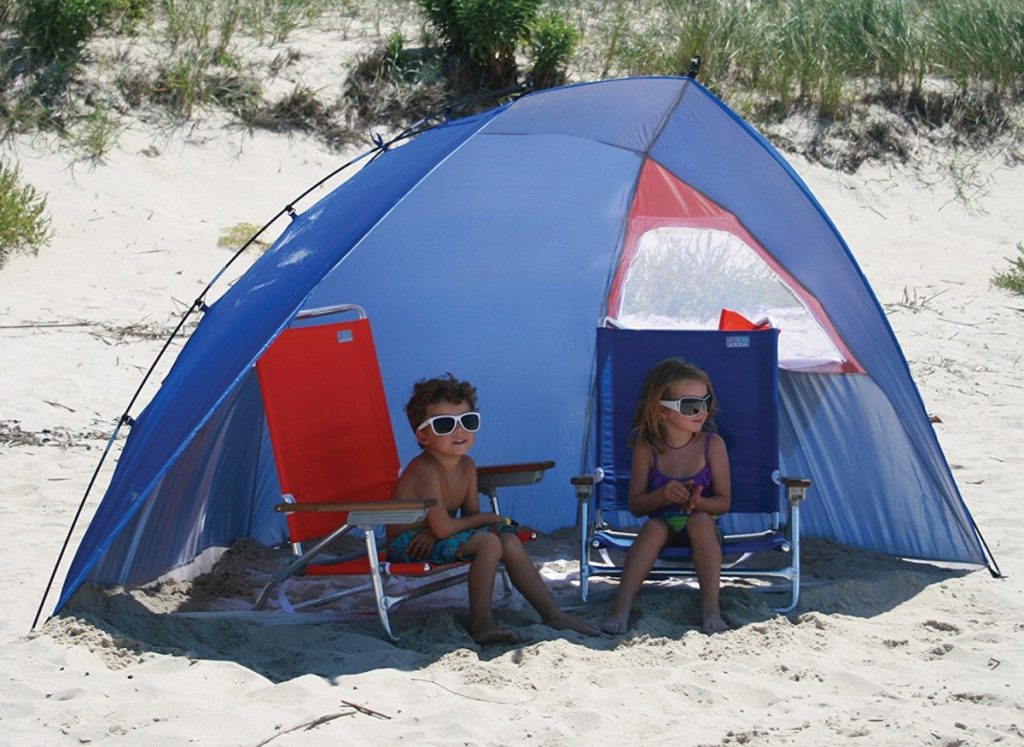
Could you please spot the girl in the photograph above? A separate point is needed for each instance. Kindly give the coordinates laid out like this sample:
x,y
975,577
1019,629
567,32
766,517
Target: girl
x,y
680,480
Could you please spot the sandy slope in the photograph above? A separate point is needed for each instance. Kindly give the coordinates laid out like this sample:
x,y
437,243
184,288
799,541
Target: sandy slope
x,y
892,654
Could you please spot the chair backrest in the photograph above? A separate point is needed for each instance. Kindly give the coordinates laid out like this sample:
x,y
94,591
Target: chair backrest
x,y
743,367
328,419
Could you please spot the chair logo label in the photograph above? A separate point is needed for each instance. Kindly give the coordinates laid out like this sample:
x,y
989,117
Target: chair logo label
x,y
345,335
737,341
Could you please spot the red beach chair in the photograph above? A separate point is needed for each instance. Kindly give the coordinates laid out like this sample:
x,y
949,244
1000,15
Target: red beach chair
x,y
337,463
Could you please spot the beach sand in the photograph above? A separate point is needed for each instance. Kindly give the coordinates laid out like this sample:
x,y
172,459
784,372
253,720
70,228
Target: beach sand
x,y
880,651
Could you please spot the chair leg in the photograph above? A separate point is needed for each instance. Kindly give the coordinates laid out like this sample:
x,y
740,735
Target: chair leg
x,y
298,564
794,588
794,541
506,583
378,584
584,551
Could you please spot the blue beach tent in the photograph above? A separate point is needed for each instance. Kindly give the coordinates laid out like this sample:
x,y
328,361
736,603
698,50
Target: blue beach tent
x,y
493,247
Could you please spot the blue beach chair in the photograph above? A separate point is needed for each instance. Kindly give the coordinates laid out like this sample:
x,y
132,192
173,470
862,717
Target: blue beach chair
x,y
764,520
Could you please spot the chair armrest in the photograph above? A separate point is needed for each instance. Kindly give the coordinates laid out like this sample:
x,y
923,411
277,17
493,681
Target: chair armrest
x,y
365,514
356,506
796,489
506,475
584,484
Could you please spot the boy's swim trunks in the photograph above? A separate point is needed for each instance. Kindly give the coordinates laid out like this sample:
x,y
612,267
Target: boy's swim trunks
x,y
447,550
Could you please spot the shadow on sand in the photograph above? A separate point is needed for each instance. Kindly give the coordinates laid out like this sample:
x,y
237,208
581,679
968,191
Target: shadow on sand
x,y
124,624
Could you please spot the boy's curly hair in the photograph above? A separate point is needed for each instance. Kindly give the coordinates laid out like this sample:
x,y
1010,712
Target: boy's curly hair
x,y
426,392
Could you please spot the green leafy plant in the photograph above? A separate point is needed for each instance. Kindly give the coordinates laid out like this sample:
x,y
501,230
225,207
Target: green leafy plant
x,y
1012,279
552,43
24,225
484,34
58,29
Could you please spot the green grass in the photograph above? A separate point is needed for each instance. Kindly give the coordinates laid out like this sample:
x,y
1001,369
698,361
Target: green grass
x,y
951,67
24,224
1013,278
96,133
808,55
235,237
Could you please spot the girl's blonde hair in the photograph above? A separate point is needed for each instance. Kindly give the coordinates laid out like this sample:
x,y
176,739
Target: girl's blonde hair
x,y
655,388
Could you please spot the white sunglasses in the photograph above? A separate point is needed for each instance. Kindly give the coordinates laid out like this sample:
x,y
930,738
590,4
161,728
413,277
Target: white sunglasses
x,y
442,425
688,406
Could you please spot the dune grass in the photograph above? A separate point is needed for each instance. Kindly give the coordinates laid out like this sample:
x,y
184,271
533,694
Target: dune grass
x,y
817,55
951,67
956,65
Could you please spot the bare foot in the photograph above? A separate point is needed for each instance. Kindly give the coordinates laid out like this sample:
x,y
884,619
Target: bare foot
x,y
617,624
494,634
565,621
713,623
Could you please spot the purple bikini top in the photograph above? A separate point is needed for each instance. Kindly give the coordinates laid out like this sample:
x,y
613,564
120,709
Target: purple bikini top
x,y
658,478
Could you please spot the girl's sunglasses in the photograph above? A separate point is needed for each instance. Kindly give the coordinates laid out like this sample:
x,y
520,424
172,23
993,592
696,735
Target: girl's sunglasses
x,y
688,406
442,425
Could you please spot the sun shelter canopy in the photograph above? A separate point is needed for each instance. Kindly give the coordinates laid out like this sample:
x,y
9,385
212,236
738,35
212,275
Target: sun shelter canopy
x,y
493,247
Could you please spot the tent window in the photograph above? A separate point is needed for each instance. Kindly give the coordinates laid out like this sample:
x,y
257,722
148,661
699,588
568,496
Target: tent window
x,y
683,277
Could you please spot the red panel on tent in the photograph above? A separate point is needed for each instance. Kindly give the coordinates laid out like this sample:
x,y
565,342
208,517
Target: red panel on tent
x,y
662,200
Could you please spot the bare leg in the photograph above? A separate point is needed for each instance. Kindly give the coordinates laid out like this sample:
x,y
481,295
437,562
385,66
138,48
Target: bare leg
x,y
485,549
707,559
527,580
639,561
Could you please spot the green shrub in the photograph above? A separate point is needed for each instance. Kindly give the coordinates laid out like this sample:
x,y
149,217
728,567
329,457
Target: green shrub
x,y
1013,279
484,34
552,43
58,29
24,225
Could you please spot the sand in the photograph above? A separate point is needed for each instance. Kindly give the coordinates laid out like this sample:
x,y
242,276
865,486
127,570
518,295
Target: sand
x,y
879,652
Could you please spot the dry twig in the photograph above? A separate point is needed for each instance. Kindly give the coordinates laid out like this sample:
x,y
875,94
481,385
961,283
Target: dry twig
x,y
307,725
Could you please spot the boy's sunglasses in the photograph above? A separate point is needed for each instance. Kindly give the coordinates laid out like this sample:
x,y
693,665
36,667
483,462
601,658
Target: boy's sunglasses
x,y
442,425
688,406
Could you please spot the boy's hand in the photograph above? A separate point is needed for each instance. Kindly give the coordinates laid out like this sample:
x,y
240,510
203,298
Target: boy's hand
x,y
420,546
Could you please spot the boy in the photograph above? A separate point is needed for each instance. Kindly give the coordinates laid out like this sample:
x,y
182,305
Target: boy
x,y
443,416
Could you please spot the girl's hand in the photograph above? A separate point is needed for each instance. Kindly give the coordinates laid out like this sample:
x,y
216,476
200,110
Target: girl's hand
x,y
678,492
695,492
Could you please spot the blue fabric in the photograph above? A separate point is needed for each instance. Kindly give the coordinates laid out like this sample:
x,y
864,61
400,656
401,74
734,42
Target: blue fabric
x,y
679,553
240,325
487,247
744,372
490,278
